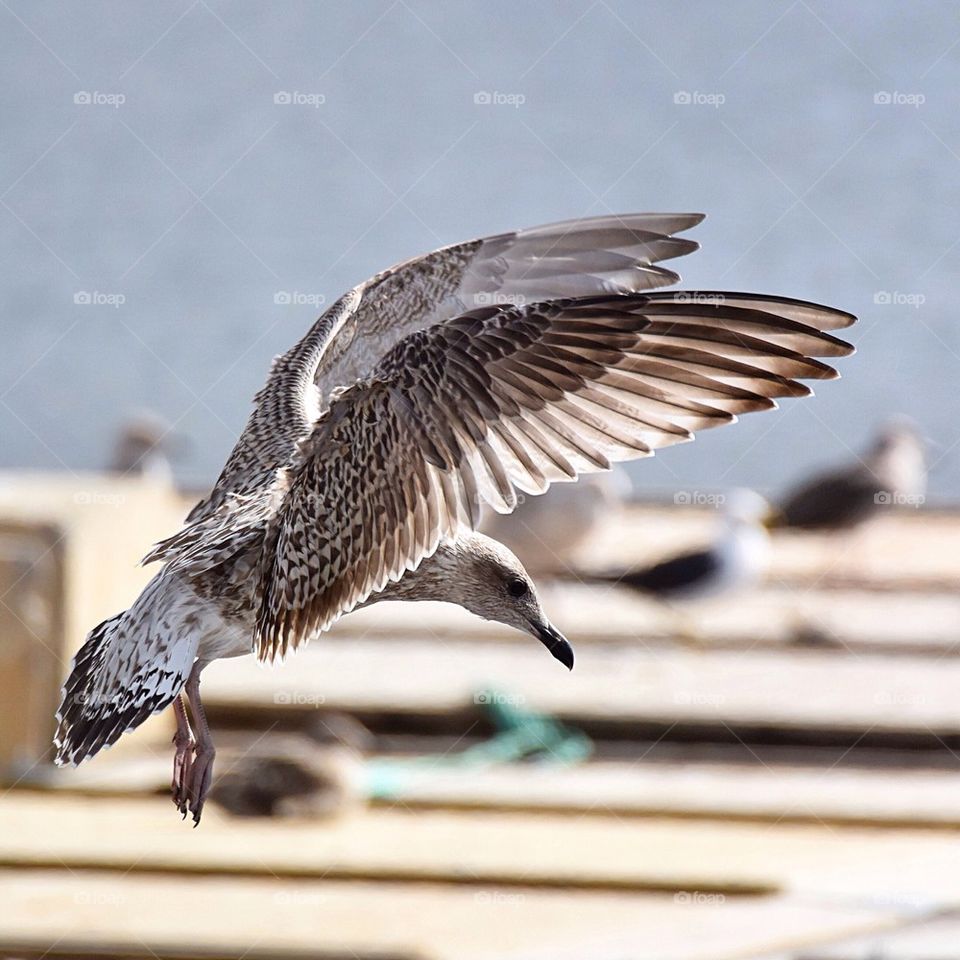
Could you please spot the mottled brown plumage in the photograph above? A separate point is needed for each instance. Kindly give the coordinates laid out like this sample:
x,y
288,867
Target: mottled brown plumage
x,y
447,382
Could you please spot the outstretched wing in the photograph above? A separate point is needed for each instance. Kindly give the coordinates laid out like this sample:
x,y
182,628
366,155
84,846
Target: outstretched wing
x,y
596,255
616,254
506,398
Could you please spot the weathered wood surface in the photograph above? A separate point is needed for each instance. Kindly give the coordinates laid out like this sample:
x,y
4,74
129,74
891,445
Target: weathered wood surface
x,y
774,617
221,918
839,864
776,793
902,549
622,685
666,860
924,938
32,616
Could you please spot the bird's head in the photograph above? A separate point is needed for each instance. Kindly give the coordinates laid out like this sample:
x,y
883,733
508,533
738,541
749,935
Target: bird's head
x,y
483,576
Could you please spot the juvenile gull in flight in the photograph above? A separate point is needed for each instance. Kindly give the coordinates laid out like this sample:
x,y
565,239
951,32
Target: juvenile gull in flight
x,y
448,381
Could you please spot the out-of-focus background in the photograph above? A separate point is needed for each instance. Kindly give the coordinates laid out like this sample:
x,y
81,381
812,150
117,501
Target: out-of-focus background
x,y
769,771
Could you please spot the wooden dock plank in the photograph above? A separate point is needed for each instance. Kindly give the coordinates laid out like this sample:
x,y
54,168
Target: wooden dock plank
x,y
624,685
927,937
759,792
915,548
774,616
154,918
590,852
777,794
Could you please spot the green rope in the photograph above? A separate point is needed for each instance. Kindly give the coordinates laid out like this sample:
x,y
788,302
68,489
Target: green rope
x,y
520,734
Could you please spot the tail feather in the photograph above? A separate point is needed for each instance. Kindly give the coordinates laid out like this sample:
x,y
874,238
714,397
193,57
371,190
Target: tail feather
x,y
120,676
80,713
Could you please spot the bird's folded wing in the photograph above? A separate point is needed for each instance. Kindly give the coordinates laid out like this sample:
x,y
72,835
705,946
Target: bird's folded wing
x,y
597,255
507,398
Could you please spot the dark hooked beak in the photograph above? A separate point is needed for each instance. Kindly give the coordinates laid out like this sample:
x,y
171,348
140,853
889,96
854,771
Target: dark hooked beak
x,y
555,642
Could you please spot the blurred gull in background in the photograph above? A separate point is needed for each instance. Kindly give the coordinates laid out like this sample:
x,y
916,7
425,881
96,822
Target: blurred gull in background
x,y
893,472
738,557
145,446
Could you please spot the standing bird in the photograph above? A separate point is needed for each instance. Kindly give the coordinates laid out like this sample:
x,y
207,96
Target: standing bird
x,y
738,556
892,472
446,382
144,447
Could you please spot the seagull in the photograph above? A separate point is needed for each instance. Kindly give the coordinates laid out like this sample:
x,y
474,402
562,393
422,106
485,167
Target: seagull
x,y
144,446
447,382
738,557
892,472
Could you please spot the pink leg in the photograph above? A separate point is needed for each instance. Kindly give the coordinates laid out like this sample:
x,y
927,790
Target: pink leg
x,y
183,758
200,773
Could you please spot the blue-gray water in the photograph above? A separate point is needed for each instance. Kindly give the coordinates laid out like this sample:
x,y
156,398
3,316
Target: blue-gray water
x,y
199,198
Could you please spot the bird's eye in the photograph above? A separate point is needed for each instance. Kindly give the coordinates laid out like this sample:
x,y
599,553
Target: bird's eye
x,y
517,588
